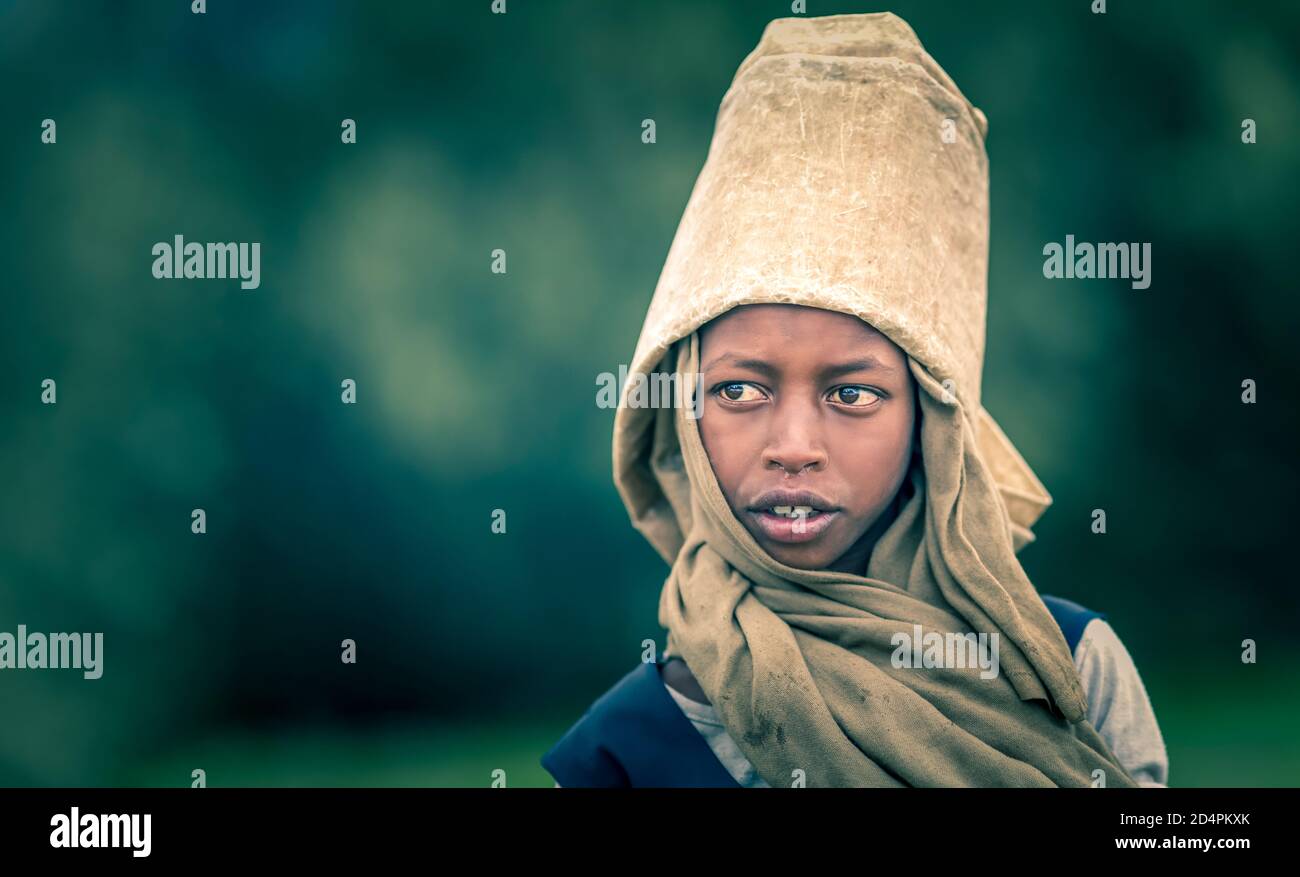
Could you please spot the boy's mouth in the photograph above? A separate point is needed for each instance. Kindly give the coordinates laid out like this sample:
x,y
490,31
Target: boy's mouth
x,y
781,524
792,516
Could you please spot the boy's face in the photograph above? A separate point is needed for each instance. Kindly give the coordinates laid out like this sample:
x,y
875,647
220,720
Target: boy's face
x,y
807,418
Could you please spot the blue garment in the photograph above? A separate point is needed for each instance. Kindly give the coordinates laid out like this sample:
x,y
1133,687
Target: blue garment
x,y
635,735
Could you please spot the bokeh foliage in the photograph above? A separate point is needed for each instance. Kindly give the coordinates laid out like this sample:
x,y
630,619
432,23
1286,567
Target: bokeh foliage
x,y
476,391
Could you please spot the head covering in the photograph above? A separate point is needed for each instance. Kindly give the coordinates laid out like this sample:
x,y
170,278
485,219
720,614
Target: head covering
x,y
847,172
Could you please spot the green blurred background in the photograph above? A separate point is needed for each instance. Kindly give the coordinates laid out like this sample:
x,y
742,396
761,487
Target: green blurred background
x,y
476,391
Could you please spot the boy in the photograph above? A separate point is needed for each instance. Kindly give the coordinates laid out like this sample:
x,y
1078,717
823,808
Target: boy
x,y
843,500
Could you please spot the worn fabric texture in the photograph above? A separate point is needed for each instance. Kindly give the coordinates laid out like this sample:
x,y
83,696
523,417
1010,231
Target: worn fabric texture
x,y
847,172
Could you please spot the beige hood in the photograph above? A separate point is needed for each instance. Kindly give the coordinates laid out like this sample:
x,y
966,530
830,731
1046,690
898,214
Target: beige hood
x,y
846,172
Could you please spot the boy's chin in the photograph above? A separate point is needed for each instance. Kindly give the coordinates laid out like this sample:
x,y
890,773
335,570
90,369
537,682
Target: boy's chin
x,y
808,556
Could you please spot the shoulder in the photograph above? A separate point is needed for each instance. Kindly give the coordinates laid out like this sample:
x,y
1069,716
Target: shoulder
x,y
1118,705
634,735
1071,617
585,754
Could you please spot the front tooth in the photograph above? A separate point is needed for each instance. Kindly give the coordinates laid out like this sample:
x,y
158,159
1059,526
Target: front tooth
x,y
781,509
803,510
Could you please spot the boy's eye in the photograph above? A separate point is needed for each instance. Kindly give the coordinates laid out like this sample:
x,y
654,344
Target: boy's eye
x,y
739,392
855,397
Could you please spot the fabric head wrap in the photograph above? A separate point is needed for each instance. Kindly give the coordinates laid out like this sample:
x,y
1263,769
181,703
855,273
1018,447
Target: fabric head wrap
x,y
830,183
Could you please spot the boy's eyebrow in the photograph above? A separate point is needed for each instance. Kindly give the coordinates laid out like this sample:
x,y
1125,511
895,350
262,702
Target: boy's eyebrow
x,y
866,363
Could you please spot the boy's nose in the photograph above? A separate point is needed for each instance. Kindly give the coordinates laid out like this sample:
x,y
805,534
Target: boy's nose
x,y
793,447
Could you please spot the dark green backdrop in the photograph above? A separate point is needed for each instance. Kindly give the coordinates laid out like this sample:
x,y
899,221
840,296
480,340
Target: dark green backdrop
x,y
476,391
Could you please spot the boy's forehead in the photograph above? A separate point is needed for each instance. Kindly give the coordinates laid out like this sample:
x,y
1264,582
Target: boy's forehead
x,y
759,322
